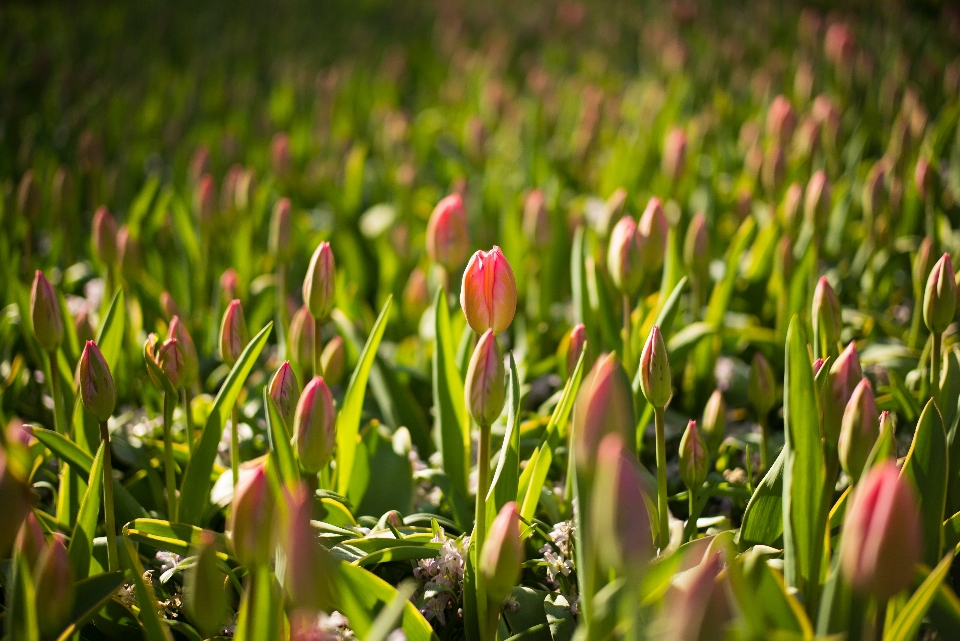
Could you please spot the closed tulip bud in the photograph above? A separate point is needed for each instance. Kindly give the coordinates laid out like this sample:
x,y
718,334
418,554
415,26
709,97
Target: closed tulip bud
x,y
105,236
188,350
774,168
674,154
792,199
228,188
16,498
696,246
784,259
873,191
169,306
817,364
315,426
416,295
28,195
229,283
246,188
826,315
781,120
204,598
170,360
199,162
301,339
925,177
578,339
859,430
485,386
448,237
655,370
714,423
886,446
806,141
536,219
233,334
694,460
839,45
30,541
940,297
320,283
817,200
333,359
285,392
880,547
280,153
54,583
620,519
280,245
205,198
762,388
624,261
653,229
845,375
502,554
96,383
922,263
488,294
45,313
252,519
308,564
604,405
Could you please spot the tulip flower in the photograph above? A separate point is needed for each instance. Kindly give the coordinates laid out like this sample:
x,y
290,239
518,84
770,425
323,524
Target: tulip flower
x,y
280,158
96,383
924,176
502,554
816,201
229,284
781,121
657,388
16,498
939,306
448,237
873,194
488,295
674,154
790,207
308,564
416,295
204,597
233,334
880,543
694,465
714,421
314,426
301,340
333,360
45,313
577,341
105,237
188,351
171,362
859,430
319,285
536,219
251,522
285,392
169,306
485,388
827,320
845,375
55,585
604,406
653,229
624,261
279,241
30,542
774,168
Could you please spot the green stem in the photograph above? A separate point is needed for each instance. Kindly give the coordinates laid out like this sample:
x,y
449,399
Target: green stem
x,y
480,527
662,509
56,390
113,559
282,320
764,444
235,446
187,399
691,528
317,347
935,367
168,470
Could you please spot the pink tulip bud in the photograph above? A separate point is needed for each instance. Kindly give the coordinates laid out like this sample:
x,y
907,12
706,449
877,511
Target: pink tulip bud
x,y
229,283
251,522
845,375
923,263
839,45
416,295
204,597
880,546
246,188
28,196
199,161
315,426
696,246
54,582
817,200
280,244
694,460
674,154
781,120
170,360
485,387
655,370
448,237
320,283
301,339
280,157
874,191
806,141
604,405
762,387
826,314
308,563
624,261
792,199
714,423
30,541
285,392
488,294
940,297
16,498
502,554
45,313
578,339
228,189
105,236
653,229
333,360
96,383
859,430
620,519
774,168
536,219
205,199
169,306
233,334
817,364
188,350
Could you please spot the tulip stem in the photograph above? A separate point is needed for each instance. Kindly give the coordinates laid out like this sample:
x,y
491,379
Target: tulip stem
x,y
662,510
188,413
235,446
480,523
935,367
282,321
56,390
691,529
317,348
113,558
168,471
764,444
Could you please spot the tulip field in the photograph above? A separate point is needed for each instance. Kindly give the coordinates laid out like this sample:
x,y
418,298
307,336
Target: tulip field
x,y
479,321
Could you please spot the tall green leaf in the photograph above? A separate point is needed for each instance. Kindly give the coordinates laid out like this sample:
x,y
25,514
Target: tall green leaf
x,y
91,593
280,442
259,615
81,542
763,519
153,627
506,478
21,614
907,623
926,466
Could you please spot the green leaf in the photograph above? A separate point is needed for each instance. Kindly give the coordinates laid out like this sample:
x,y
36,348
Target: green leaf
x,y
153,628
348,418
91,594
386,621
578,285
280,442
907,623
22,613
951,531
195,488
506,478
763,519
179,538
259,615
85,529
926,466
666,311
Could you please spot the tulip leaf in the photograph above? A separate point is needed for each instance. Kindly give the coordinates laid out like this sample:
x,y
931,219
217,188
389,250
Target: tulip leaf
x,y
85,529
259,615
506,478
926,466
763,519
666,311
387,620
178,538
91,594
153,627
195,488
348,418
21,613
280,442
907,623
578,285
951,531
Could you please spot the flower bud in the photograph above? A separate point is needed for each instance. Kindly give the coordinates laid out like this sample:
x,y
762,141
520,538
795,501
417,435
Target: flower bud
x,y
30,541
16,498
169,306
252,518
922,263
54,584
229,283
816,202
320,283
205,197
332,359
105,236
280,153
839,45
774,168
488,294
578,338
653,230
485,386
308,564
188,350
204,598
674,154
199,163
502,554
940,297
536,219
696,246
45,313
859,430
873,191
315,426
96,383
714,423
301,339
620,519
28,195
246,188
826,316
694,460
280,245
655,370
880,546
845,374
285,392
604,405
925,177
762,388
448,237
170,361
416,295
781,121
624,261
792,199
233,334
